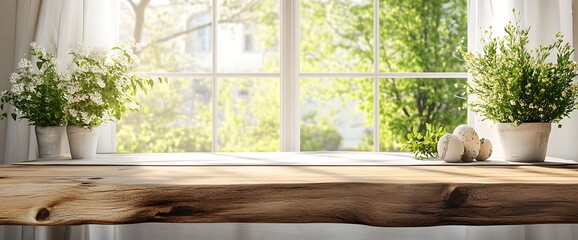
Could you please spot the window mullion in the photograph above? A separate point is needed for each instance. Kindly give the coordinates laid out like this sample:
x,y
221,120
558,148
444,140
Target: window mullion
x,y
289,91
214,112
376,78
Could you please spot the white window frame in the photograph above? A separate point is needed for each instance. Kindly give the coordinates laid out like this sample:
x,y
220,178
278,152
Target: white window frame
x,y
290,74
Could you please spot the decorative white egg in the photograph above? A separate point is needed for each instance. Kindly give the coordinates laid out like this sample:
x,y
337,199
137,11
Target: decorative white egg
x,y
485,150
470,140
450,148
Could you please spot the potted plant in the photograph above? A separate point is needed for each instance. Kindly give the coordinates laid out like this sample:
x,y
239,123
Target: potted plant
x,y
100,88
524,90
37,95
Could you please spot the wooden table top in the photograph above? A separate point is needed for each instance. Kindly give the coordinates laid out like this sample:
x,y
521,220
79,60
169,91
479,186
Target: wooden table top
x,y
392,196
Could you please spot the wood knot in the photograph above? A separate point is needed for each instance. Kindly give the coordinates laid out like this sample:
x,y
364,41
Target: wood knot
x,y
42,215
454,196
181,211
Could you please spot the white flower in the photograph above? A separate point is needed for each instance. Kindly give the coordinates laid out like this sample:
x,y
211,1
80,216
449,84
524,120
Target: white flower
x,y
98,54
106,116
36,80
554,107
30,88
97,70
78,49
24,63
120,84
87,119
33,45
72,89
14,77
108,61
17,88
42,51
540,109
512,102
96,98
43,68
564,94
100,83
65,76
84,116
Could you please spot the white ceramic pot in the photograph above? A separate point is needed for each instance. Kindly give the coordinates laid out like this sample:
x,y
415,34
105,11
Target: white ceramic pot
x,y
82,142
52,142
527,142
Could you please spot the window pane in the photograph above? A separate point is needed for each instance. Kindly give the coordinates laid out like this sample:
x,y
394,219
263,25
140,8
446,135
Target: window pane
x,y
408,103
336,35
336,114
177,34
174,117
248,36
248,115
422,37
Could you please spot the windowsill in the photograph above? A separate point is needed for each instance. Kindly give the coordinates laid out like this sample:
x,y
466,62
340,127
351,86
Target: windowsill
x,y
291,191
277,159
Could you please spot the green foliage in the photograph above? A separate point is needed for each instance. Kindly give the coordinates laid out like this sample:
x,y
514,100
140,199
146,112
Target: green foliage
x,y
423,144
420,36
515,84
248,115
415,36
319,137
336,36
162,125
100,86
36,93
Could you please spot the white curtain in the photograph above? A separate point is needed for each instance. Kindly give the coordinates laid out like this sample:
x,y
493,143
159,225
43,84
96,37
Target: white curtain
x,y
57,23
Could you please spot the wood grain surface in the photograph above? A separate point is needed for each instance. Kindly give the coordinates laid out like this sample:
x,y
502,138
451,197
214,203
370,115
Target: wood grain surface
x,y
393,196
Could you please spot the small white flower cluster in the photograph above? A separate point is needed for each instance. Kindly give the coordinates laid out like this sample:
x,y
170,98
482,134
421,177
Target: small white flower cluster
x,y
26,79
24,64
96,87
87,118
78,49
96,98
99,83
37,92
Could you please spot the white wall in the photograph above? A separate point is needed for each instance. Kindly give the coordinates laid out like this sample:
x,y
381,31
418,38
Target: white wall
x,y
8,30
